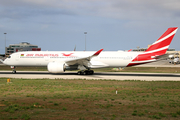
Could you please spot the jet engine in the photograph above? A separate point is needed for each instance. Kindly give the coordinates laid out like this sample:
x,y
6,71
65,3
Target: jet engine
x,y
56,67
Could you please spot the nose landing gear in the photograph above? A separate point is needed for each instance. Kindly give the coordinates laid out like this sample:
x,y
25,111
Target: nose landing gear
x,y
14,70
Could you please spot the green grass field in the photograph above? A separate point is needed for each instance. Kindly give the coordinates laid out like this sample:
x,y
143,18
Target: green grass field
x,y
59,99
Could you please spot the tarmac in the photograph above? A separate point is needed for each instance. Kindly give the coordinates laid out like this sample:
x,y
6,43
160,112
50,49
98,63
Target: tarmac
x,y
100,75
95,76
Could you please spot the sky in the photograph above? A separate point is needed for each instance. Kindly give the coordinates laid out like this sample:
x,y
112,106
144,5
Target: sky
x,y
59,25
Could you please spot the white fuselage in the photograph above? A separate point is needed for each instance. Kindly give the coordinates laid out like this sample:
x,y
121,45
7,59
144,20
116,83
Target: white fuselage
x,y
42,58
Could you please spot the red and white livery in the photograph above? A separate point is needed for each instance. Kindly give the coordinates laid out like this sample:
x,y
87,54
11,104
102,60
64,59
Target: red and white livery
x,y
60,61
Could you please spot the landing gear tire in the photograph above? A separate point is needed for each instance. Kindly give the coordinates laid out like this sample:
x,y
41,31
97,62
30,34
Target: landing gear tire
x,y
14,71
91,72
79,72
86,72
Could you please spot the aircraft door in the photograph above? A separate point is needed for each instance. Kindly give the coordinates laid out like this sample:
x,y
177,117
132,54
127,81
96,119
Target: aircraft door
x,y
17,57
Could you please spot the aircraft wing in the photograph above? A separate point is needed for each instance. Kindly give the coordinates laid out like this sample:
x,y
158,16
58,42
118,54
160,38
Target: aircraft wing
x,y
84,62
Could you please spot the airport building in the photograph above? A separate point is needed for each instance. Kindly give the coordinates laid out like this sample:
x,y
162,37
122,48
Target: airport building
x,y
23,46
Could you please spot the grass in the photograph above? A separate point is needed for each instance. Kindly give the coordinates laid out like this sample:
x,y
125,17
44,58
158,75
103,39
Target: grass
x,y
89,99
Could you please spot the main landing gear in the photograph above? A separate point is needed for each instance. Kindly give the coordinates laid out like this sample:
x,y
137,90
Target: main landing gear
x,y
85,72
14,70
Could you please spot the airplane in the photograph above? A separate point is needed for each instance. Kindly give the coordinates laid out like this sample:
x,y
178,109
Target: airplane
x,y
174,60
60,61
130,50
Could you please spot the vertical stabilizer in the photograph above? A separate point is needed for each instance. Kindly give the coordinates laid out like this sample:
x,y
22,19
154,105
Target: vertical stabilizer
x,y
157,49
162,44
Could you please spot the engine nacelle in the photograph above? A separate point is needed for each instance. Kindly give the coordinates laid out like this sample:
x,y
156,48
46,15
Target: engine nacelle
x,y
56,67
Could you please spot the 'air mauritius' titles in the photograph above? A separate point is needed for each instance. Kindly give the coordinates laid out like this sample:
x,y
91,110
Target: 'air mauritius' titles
x,y
45,55
40,55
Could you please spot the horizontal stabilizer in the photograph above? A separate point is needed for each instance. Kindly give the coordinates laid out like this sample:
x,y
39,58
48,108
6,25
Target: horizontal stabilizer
x,y
160,57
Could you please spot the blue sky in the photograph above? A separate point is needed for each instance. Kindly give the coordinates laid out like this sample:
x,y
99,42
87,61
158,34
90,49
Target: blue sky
x,y
59,25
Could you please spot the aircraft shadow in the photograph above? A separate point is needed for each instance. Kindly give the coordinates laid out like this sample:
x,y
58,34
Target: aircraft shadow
x,y
139,74
97,73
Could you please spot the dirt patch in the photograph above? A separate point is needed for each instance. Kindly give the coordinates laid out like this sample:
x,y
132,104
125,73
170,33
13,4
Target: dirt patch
x,y
1,105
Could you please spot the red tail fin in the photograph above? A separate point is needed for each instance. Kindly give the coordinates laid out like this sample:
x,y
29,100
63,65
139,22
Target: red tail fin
x,y
162,44
158,48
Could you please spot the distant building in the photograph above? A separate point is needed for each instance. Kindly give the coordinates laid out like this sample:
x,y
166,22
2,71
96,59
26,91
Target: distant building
x,y
23,46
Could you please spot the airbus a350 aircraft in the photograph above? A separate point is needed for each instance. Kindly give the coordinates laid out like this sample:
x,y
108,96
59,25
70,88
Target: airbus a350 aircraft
x,y
59,61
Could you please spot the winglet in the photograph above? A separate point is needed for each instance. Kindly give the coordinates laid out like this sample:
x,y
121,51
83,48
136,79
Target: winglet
x,y
98,52
130,50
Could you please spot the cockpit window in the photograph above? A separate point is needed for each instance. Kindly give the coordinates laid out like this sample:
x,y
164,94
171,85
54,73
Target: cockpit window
x,y
9,57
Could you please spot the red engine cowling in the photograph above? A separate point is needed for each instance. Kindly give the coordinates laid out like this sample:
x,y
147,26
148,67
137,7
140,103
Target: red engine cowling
x,y
56,67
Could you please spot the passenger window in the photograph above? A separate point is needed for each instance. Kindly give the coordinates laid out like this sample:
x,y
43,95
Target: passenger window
x,y
9,57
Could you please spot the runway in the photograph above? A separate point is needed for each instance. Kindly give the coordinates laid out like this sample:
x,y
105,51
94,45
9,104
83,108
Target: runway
x,y
96,76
